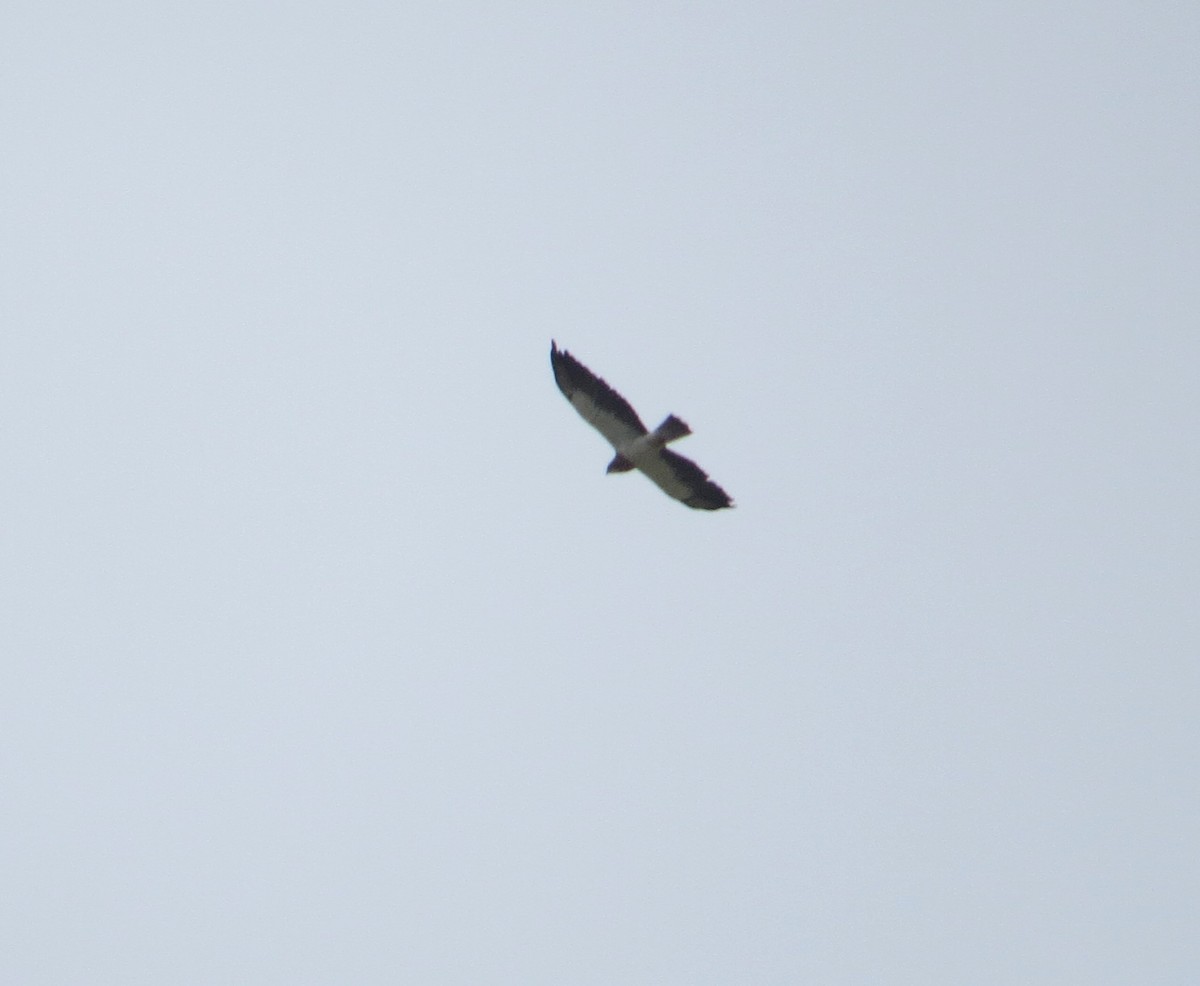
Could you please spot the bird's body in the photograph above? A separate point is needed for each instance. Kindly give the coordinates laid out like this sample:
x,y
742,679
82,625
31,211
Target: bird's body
x,y
635,446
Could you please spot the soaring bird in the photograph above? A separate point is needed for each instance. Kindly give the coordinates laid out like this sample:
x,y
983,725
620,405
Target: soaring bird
x,y
636,448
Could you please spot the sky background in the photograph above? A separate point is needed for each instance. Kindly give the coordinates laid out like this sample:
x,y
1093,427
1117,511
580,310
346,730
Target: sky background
x,y
329,654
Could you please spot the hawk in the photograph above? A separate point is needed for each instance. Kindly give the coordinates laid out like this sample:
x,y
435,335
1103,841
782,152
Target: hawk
x,y
611,415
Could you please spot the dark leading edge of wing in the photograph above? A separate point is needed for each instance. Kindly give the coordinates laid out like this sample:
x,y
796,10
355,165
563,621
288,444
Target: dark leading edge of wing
x,y
707,495
571,375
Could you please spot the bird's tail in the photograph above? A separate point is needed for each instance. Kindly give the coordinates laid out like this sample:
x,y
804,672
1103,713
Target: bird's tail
x,y
671,429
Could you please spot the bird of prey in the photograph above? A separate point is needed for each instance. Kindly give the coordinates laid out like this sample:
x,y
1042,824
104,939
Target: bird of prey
x,y
636,448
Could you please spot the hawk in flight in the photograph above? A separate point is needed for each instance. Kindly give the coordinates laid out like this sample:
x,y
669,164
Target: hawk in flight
x,y
611,415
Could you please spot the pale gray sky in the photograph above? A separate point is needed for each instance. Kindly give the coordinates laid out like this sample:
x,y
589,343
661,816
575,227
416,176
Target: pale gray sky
x,y
331,655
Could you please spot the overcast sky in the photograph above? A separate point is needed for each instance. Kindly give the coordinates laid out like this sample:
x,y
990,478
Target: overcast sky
x,y
328,652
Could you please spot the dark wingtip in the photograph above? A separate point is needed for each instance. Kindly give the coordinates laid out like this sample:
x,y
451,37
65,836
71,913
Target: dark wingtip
x,y
560,365
711,499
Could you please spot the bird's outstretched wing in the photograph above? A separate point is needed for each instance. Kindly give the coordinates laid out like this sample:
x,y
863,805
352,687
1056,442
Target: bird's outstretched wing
x,y
597,403
681,478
